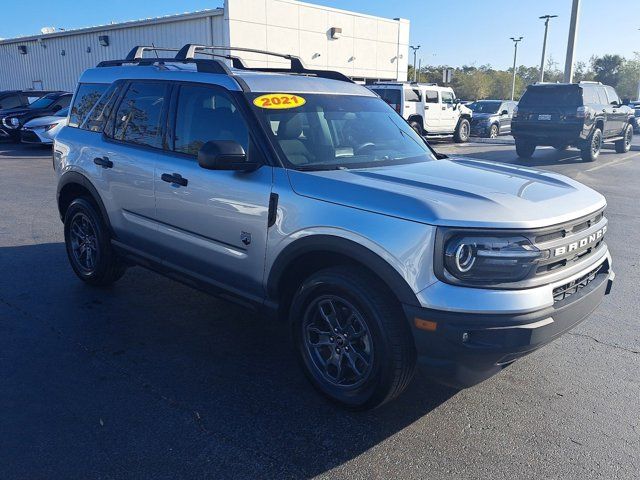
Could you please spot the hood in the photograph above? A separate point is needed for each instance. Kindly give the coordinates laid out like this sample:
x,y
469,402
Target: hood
x,y
48,120
455,192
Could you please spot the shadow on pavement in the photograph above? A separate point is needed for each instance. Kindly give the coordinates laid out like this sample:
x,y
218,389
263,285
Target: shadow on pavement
x,y
153,378
24,150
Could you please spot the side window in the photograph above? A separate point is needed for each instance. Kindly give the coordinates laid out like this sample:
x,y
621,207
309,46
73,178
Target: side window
x,y
412,95
447,97
139,116
99,115
589,95
431,96
62,102
86,97
11,101
204,114
31,99
613,96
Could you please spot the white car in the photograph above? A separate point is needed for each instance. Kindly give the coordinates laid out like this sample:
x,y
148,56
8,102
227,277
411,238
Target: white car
x,y
43,130
430,109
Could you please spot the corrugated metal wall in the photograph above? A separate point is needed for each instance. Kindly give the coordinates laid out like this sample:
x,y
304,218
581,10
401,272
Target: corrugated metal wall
x,y
44,66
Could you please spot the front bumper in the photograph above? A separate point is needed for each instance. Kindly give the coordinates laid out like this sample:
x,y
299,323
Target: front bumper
x,y
7,134
480,129
463,349
33,136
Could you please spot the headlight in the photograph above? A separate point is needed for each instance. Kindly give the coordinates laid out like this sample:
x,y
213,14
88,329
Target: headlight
x,y
49,127
485,258
11,122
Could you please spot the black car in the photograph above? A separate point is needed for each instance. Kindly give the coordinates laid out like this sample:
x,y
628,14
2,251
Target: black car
x,y
636,120
582,115
12,119
491,117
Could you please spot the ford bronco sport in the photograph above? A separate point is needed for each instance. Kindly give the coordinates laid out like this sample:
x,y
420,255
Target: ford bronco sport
x,y
298,193
582,115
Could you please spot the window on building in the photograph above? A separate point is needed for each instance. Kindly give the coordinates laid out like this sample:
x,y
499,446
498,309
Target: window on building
x,y
139,116
205,114
86,97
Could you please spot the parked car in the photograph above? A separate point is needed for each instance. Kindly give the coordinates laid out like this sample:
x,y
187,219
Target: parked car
x,y
12,120
43,130
582,115
636,119
305,196
16,99
491,117
431,110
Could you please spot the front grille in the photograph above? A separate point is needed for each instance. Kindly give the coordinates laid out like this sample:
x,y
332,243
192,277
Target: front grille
x,y
29,136
564,291
570,243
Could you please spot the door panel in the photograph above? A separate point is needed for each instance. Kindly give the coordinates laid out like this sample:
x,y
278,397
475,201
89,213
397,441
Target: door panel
x,y
216,224
432,111
449,118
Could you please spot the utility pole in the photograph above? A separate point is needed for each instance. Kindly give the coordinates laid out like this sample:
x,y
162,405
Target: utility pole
x,y
544,43
415,50
419,69
571,44
515,57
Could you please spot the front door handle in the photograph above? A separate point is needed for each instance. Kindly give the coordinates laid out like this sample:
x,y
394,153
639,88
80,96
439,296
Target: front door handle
x,y
174,178
104,162
444,108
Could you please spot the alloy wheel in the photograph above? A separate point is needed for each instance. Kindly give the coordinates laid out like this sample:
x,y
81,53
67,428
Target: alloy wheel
x,y
84,242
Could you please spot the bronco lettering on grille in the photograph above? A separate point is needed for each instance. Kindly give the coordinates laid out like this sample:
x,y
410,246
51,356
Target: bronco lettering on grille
x,y
583,242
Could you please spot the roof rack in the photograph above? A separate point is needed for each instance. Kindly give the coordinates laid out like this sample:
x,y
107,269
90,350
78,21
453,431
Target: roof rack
x,y
188,52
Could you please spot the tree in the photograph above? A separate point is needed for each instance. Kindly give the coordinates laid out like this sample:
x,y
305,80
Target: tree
x,y
607,69
629,84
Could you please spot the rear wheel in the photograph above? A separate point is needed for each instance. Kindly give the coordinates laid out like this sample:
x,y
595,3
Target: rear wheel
x,y
624,145
88,244
352,338
416,126
461,135
591,150
524,148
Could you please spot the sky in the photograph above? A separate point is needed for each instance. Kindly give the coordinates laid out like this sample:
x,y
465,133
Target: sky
x,y
450,32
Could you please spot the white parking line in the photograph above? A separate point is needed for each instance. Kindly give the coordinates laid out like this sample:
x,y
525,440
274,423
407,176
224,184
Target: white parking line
x,y
613,163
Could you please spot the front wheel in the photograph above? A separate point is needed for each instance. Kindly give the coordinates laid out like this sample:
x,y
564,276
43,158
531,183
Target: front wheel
x,y
351,337
525,149
624,145
591,150
461,135
88,245
416,126
494,131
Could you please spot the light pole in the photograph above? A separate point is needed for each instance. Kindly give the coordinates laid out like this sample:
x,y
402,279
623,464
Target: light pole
x,y
544,43
515,57
571,44
415,50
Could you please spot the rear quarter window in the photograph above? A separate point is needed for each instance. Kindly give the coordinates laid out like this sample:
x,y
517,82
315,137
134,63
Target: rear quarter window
x,y
389,95
86,97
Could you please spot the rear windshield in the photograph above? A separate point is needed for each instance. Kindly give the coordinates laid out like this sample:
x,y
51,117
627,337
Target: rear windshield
x,y
389,95
552,96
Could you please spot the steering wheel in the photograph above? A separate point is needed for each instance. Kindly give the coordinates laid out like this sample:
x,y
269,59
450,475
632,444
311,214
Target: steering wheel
x,y
363,146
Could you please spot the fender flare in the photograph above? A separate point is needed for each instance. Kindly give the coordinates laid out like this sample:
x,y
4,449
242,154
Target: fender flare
x,y
348,248
79,179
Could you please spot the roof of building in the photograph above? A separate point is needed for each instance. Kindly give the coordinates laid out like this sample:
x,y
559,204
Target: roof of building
x,y
116,26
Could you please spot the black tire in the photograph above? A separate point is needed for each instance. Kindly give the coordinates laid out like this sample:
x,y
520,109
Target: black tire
x,y
525,149
624,145
494,131
591,150
461,135
416,126
87,236
383,353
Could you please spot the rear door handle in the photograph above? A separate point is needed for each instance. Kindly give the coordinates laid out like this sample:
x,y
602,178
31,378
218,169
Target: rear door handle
x,y
174,178
104,162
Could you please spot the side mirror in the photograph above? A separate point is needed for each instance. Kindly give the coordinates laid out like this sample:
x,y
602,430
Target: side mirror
x,y
225,155
504,112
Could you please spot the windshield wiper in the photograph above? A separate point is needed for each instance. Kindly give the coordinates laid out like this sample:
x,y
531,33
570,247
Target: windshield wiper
x,y
319,167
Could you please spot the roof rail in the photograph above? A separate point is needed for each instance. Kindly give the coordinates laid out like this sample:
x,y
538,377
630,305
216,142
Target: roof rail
x,y
137,52
189,51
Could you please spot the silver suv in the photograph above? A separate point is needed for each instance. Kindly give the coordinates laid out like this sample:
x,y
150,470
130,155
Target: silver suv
x,y
305,196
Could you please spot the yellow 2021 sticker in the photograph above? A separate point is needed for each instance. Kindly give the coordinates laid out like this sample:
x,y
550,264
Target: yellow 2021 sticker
x,y
279,100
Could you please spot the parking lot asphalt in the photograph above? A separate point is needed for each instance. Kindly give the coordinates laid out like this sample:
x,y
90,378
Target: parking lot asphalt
x,y
151,379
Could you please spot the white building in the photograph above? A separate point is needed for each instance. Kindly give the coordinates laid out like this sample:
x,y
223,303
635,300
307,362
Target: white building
x,y
361,46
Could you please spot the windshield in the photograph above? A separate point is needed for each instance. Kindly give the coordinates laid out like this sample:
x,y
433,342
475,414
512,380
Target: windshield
x,y
552,96
63,113
42,102
328,132
485,107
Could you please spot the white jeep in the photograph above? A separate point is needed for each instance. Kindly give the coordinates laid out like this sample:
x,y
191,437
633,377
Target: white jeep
x,y
431,110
